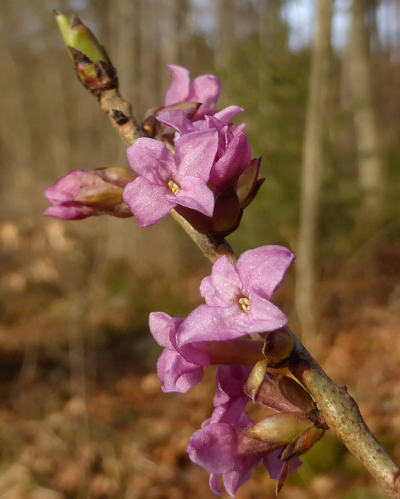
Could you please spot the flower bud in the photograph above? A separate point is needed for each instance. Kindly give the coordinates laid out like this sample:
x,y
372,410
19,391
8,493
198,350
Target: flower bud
x,y
280,428
81,194
92,64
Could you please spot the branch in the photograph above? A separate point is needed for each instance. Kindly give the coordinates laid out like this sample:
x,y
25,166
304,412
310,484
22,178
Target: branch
x,y
334,403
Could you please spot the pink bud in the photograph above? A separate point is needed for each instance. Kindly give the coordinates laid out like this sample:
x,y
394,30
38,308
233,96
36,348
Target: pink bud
x,y
81,194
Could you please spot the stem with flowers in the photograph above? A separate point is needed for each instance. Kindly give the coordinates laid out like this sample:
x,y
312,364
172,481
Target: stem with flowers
x,y
195,164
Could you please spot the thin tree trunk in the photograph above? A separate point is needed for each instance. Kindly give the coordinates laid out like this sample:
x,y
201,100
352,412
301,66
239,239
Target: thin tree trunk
x,y
369,158
313,159
226,32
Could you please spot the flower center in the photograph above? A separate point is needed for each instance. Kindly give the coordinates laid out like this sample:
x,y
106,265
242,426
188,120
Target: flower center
x,y
244,304
173,187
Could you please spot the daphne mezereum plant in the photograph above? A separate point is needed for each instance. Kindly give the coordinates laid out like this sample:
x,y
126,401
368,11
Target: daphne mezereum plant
x,y
191,161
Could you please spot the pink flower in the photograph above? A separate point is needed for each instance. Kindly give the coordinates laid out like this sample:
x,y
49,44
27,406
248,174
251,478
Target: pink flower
x,y
204,89
181,369
168,180
221,446
174,371
238,297
233,154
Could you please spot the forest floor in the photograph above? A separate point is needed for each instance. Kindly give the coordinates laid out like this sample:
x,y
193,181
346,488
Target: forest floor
x,y
83,416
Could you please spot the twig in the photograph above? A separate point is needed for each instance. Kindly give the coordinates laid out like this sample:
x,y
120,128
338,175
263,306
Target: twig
x,y
120,113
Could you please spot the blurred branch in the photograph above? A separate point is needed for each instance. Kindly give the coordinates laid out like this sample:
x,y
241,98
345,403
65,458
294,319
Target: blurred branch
x,y
335,404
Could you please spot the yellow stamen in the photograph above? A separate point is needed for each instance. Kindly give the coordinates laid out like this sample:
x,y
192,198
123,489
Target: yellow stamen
x,y
244,304
173,187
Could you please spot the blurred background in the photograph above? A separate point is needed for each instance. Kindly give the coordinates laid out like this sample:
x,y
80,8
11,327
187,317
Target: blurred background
x,y
82,414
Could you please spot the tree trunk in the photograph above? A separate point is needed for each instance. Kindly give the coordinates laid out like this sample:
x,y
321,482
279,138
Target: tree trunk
x,y
369,158
313,159
226,32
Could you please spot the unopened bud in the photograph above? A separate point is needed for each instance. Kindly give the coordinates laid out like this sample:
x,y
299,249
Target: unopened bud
x,y
81,194
92,64
280,428
278,347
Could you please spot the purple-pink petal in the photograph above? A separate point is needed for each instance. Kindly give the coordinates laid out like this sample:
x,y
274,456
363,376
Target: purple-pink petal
x,y
147,201
67,187
211,323
233,162
205,89
226,114
152,160
274,465
264,268
214,447
230,383
177,120
176,374
264,315
195,153
162,327
215,485
235,478
179,89
73,212
232,412
195,194
223,286
207,323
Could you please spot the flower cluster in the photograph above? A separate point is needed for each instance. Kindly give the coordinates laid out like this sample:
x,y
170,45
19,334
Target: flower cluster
x,y
196,161
229,444
210,178
202,167
237,304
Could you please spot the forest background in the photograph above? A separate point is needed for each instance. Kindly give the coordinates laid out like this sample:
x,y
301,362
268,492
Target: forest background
x,y
82,414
